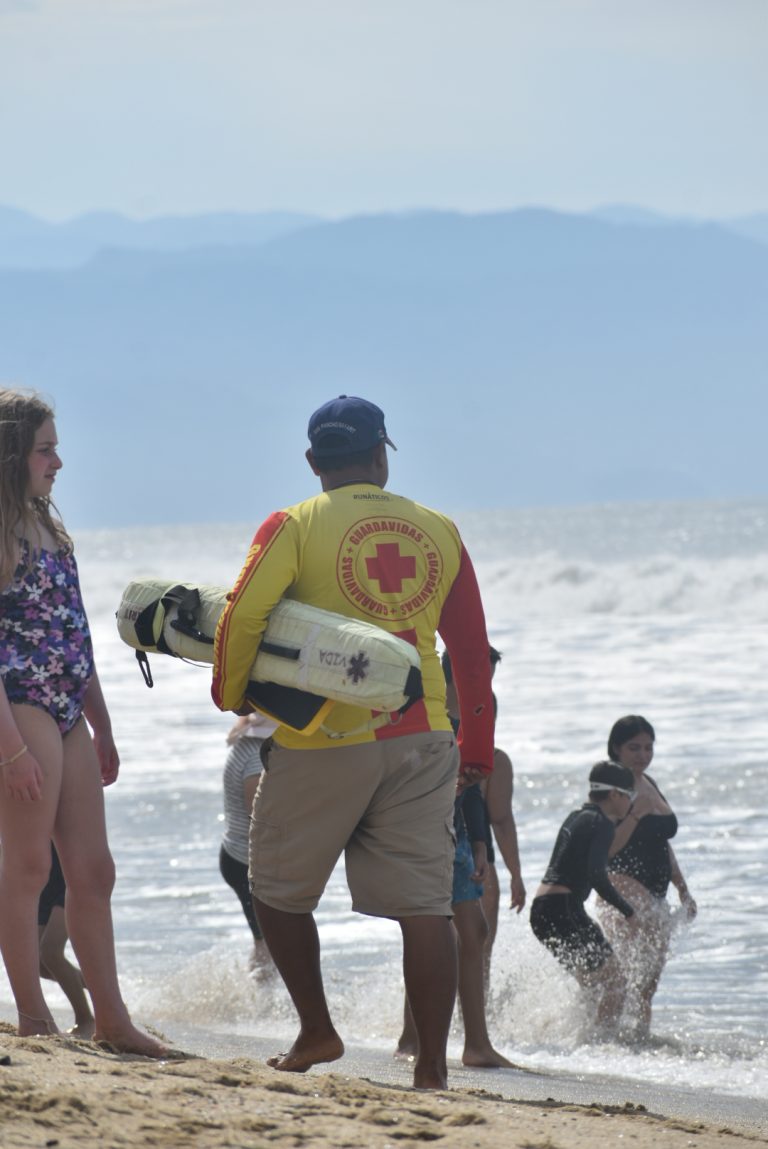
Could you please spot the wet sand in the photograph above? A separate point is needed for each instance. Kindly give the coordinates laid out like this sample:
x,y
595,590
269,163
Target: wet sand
x,y
66,1093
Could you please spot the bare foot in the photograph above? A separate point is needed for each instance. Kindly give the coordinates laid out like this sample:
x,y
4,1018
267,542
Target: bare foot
x,y
36,1026
83,1029
308,1051
406,1050
132,1040
262,970
486,1059
430,1077
260,962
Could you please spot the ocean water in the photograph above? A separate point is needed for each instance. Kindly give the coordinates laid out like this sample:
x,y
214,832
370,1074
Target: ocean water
x,y
658,609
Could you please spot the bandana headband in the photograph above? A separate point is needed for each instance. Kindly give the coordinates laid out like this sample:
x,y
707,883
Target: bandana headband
x,y
609,786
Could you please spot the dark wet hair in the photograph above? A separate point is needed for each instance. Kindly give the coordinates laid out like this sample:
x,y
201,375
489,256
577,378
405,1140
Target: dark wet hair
x,y
610,774
493,654
624,730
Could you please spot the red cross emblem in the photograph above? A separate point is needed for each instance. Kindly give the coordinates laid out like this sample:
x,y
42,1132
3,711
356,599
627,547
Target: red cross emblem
x,y
389,568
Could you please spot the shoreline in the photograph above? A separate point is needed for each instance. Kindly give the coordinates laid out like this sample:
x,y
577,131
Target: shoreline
x,y
68,1092
526,1084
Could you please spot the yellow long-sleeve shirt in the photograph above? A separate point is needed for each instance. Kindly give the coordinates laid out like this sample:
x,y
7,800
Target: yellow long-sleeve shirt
x,y
363,552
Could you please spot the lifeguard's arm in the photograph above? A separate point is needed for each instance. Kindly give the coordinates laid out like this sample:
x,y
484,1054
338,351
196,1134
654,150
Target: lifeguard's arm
x,y
269,569
597,863
22,778
97,716
462,628
680,884
498,799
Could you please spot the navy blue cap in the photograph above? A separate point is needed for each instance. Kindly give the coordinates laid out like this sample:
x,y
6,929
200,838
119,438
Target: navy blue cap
x,y
346,425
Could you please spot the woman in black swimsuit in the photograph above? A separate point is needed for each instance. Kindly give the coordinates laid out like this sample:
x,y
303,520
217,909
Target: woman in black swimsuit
x,y
642,864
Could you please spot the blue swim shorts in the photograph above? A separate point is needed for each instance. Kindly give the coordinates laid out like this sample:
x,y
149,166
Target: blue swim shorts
x,y
464,889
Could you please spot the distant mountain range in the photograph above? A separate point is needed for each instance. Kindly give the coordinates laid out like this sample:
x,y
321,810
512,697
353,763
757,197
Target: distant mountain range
x,y
29,242
523,358
751,226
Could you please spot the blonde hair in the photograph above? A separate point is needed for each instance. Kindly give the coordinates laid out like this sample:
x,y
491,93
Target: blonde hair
x,y
22,414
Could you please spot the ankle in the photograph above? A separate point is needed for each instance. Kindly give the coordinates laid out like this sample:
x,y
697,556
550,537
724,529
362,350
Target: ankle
x,y
30,1026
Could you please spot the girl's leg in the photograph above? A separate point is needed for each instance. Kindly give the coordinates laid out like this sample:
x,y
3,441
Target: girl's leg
x,y
54,965
641,944
408,1042
471,928
25,832
608,987
81,840
490,903
656,949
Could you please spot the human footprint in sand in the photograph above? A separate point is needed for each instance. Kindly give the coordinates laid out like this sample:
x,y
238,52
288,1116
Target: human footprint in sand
x,y
378,788
53,768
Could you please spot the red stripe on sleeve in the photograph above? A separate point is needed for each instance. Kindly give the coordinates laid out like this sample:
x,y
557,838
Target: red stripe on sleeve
x,y
462,628
262,543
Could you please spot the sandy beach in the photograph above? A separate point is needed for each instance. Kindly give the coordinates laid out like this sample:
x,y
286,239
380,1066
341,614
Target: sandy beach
x,y
64,1092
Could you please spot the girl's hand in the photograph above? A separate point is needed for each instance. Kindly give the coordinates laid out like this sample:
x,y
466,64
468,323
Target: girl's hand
x,y
517,889
471,772
109,759
690,909
480,858
23,779
642,805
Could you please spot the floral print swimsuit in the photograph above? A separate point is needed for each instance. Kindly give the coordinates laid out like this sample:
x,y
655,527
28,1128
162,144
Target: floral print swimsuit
x,y
46,653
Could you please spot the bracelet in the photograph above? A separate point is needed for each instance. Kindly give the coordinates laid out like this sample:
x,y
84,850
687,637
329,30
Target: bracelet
x,y
14,757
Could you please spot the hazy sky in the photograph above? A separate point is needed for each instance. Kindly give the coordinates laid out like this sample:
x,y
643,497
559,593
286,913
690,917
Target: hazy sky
x,y
341,106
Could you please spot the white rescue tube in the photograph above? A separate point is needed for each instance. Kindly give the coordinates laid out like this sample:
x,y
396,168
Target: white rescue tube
x,y
308,650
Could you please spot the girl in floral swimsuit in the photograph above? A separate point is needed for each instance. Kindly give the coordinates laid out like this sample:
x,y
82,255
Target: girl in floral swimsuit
x,y
52,768
46,653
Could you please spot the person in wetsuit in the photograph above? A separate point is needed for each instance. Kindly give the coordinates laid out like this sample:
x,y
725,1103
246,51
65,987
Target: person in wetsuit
x,y
579,864
642,865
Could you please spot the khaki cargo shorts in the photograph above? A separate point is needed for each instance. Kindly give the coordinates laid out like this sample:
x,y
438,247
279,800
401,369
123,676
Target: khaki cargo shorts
x,y
387,806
